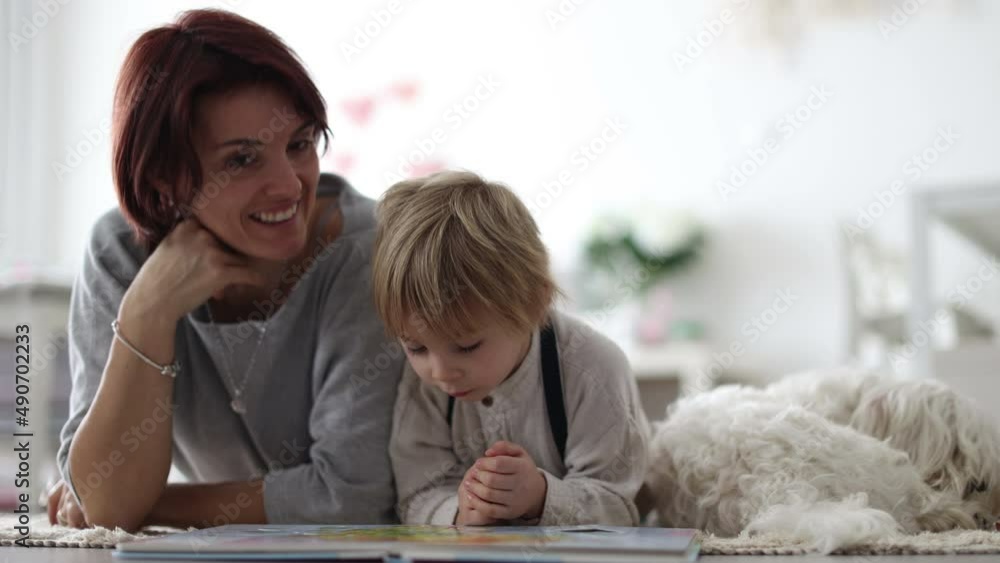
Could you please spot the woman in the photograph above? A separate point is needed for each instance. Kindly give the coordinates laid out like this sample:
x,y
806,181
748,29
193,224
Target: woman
x,y
223,321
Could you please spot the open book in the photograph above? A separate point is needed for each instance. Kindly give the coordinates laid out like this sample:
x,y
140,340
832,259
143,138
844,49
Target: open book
x,y
393,543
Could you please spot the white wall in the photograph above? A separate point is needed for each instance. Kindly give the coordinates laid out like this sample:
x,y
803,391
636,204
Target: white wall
x,y
557,87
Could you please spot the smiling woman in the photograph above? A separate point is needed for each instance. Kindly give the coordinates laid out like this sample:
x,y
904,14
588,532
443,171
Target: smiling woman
x,y
270,223
224,308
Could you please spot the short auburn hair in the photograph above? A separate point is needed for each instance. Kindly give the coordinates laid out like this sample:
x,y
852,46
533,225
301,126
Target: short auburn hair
x,y
164,73
453,244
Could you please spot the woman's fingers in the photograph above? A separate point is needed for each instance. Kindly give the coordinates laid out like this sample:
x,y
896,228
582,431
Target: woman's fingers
x,y
54,502
72,512
63,509
231,269
187,230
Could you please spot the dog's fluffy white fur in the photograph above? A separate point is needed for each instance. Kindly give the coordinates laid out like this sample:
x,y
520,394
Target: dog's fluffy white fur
x,y
834,458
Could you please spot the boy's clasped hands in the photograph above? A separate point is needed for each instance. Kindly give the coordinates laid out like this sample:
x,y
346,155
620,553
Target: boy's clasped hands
x,y
504,484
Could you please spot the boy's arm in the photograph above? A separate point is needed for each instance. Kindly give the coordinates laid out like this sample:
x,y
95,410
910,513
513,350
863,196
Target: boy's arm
x,y
425,467
606,450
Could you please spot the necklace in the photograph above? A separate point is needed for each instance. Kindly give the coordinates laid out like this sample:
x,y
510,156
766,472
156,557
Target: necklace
x,y
237,404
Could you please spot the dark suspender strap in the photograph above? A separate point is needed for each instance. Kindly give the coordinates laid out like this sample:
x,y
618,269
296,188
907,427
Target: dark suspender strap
x,y
552,381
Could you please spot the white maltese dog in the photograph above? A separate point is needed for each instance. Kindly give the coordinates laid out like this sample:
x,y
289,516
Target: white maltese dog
x,y
835,459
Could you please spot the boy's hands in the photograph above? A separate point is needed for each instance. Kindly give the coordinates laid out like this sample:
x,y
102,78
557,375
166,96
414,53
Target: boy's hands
x,y
504,485
467,513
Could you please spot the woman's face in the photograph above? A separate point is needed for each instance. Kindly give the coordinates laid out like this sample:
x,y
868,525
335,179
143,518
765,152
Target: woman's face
x,y
260,171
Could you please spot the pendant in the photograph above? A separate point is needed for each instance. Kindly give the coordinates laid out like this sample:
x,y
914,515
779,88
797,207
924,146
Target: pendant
x,y
238,406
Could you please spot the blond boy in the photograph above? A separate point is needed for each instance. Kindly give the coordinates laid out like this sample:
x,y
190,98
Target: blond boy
x,y
508,411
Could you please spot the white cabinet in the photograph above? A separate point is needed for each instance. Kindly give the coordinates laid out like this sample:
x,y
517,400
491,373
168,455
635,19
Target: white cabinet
x,y
43,305
973,212
666,371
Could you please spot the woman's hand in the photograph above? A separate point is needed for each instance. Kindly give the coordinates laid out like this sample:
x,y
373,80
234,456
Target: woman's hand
x,y
63,509
187,268
506,484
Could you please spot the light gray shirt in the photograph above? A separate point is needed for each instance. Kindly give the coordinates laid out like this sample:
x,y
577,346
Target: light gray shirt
x,y
319,397
606,447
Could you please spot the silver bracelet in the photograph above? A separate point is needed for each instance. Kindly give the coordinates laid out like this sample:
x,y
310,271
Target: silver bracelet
x,y
170,369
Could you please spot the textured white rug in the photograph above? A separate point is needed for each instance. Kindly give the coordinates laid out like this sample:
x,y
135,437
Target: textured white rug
x,y
977,542
943,543
45,535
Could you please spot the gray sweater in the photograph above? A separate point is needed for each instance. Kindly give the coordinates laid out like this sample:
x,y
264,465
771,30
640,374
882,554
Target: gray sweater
x,y
319,398
605,449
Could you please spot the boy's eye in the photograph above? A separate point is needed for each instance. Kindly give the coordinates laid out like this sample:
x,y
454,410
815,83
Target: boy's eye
x,y
416,349
467,349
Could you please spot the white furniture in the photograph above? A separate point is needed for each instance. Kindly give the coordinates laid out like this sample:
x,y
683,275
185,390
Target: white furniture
x,y
972,370
665,372
42,303
877,297
974,213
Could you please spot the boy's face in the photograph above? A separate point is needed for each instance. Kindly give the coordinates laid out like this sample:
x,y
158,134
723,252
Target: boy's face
x,y
468,368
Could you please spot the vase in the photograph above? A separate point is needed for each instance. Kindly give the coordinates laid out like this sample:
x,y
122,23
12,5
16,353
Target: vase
x,y
655,316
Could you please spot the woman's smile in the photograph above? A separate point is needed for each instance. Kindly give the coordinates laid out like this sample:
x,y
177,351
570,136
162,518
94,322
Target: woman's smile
x,y
276,215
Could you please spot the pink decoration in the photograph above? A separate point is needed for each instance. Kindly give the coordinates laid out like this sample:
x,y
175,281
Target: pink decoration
x,y
405,90
359,110
343,163
425,168
654,320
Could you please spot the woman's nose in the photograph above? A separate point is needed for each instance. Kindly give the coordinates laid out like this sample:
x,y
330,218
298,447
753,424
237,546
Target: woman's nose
x,y
284,182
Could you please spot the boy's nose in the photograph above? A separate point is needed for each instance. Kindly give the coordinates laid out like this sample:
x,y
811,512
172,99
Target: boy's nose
x,y
446,374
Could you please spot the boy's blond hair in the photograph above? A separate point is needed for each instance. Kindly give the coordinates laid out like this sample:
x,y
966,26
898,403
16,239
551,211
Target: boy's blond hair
x,y
451,245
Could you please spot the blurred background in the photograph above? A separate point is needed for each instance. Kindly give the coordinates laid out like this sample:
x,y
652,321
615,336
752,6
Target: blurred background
x,y
732,189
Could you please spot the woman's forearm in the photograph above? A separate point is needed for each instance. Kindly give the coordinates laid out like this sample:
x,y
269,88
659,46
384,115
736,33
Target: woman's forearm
x,y
209,505
120,456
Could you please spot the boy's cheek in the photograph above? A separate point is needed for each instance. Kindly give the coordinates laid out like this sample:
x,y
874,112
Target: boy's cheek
x,y
424,374
418,368
421,373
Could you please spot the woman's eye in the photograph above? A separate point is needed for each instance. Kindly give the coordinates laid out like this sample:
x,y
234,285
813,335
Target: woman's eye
x,y
301,145
242,160
467,349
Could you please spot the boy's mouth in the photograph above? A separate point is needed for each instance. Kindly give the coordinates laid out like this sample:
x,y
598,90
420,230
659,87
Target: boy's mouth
x,y
459,394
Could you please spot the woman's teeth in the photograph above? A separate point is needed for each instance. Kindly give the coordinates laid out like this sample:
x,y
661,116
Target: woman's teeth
x,y
276,217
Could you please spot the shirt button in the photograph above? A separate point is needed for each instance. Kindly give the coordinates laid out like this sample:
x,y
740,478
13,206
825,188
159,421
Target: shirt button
x,y
487,401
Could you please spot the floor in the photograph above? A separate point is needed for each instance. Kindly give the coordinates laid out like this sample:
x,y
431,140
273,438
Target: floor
x,y
57,555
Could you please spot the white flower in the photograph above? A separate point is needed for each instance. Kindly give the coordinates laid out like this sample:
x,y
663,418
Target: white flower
x,y
662,233
610,226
